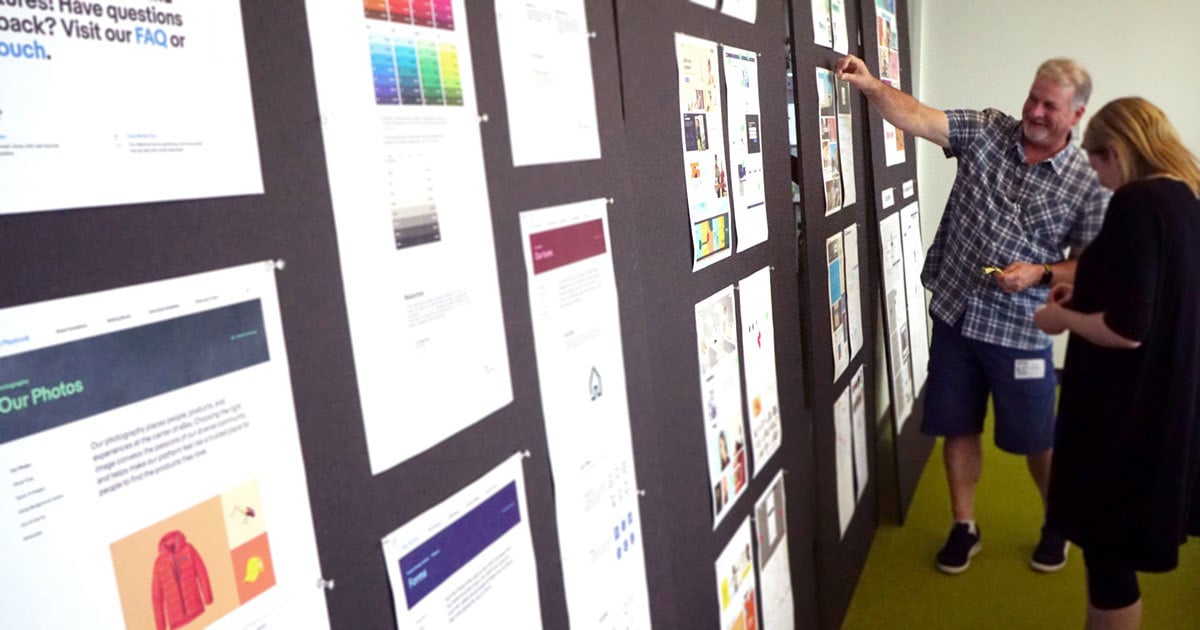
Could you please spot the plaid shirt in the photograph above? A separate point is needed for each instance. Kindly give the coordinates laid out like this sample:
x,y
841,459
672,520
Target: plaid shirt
x,y
1002,210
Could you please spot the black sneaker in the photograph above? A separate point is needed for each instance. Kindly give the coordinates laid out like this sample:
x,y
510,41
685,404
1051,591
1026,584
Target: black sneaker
x,y
955,556
1050,554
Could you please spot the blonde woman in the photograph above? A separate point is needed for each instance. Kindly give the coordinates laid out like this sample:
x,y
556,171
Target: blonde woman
x,y
1126,474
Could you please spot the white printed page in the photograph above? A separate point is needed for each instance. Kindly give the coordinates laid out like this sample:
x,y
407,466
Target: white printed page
x,y
862,469
845,128
822,24
853,289
745,10
721,398
736,585
914,260
94,91
838,305
837,11
895,313
468,561
844,459
831,154
702,130
150,438
770,523
396,90
888,35
758,352
546,61
581,374
745,147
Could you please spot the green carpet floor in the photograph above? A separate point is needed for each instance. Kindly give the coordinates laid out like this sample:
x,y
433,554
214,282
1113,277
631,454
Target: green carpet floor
x,y
901,588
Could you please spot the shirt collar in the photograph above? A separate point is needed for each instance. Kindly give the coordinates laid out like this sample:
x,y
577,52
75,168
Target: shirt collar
x,y
1058,161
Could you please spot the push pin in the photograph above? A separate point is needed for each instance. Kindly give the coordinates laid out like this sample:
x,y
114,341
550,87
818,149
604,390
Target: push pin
x,y
483,118
280,264
324,584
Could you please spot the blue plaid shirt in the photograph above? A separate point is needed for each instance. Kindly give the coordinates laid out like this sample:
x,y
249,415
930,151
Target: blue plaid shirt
x,y
1002,210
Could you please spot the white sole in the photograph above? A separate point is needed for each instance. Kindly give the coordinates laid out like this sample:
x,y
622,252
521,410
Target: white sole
x,y
956,570
1051,568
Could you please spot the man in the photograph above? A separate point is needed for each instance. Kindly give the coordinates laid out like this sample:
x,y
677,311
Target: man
x,y
1023,193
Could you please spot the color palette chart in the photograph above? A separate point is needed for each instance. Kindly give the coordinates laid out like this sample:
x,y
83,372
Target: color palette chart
x,y
414,69
412,195
426,13
383,69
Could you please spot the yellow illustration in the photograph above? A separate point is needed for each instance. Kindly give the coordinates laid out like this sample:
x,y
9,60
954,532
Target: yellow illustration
x,y
254,567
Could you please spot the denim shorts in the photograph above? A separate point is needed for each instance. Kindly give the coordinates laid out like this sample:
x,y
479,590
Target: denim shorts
x,y
963,372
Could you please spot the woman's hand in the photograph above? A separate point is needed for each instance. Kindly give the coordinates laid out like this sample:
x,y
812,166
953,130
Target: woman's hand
x,y
1061,294
1050,318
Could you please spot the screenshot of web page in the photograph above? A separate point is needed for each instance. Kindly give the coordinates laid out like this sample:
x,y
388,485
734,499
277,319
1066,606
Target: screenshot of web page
x,y
150,462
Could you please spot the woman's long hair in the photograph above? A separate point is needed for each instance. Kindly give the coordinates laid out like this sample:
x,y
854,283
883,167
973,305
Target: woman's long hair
x,y
1145,140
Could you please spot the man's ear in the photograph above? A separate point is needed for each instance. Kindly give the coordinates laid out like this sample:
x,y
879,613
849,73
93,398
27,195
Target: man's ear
x,y
1078,114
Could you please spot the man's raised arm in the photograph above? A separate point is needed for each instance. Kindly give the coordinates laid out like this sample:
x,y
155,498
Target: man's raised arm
x,y
898,108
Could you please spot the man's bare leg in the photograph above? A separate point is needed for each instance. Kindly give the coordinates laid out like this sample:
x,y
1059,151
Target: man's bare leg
x,y
1039,469
963,456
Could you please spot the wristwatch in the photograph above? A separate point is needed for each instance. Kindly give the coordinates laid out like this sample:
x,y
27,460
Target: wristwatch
x,y
1047,275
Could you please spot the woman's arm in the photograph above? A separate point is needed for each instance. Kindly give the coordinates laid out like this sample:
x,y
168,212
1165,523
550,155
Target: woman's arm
x,y
1054,318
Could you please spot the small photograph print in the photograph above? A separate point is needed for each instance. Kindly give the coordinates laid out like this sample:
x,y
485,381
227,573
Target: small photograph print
x,y
720,497
752,139
197,566
833,194
695,132
711,236
720,183
718,332
176,572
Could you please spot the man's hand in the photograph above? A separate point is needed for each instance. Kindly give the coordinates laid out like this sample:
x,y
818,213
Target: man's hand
x,y
896,107
1019,276
855,71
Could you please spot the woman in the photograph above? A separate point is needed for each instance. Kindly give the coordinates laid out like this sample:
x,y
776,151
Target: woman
x,y
1126,469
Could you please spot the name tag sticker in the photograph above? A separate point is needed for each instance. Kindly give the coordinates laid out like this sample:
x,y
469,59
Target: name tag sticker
x,y
1027,369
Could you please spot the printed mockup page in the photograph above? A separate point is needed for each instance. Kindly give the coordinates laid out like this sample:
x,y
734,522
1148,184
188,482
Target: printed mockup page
x,y
107,104
468,561
149,441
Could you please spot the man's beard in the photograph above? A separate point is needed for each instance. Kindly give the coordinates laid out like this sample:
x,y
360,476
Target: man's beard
x,y
1036,134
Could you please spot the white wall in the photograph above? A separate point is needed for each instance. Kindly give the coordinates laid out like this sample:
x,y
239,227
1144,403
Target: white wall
x,y
981,54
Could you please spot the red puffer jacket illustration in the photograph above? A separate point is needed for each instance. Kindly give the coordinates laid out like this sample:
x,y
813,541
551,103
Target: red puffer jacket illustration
x,y
181,589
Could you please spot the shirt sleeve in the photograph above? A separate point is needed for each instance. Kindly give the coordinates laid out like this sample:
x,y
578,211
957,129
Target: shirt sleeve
x,y
1132,286
965,126
1090,218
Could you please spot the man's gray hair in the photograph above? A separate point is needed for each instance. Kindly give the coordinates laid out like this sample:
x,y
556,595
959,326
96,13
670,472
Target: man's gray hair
x,y
1068,73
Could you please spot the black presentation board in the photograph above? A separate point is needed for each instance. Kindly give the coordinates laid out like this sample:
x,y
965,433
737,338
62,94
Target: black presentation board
x,y
683,583
908,449
57,254
839,558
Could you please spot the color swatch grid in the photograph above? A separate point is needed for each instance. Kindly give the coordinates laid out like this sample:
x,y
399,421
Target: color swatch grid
x,y
428,13
413,199
410,71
